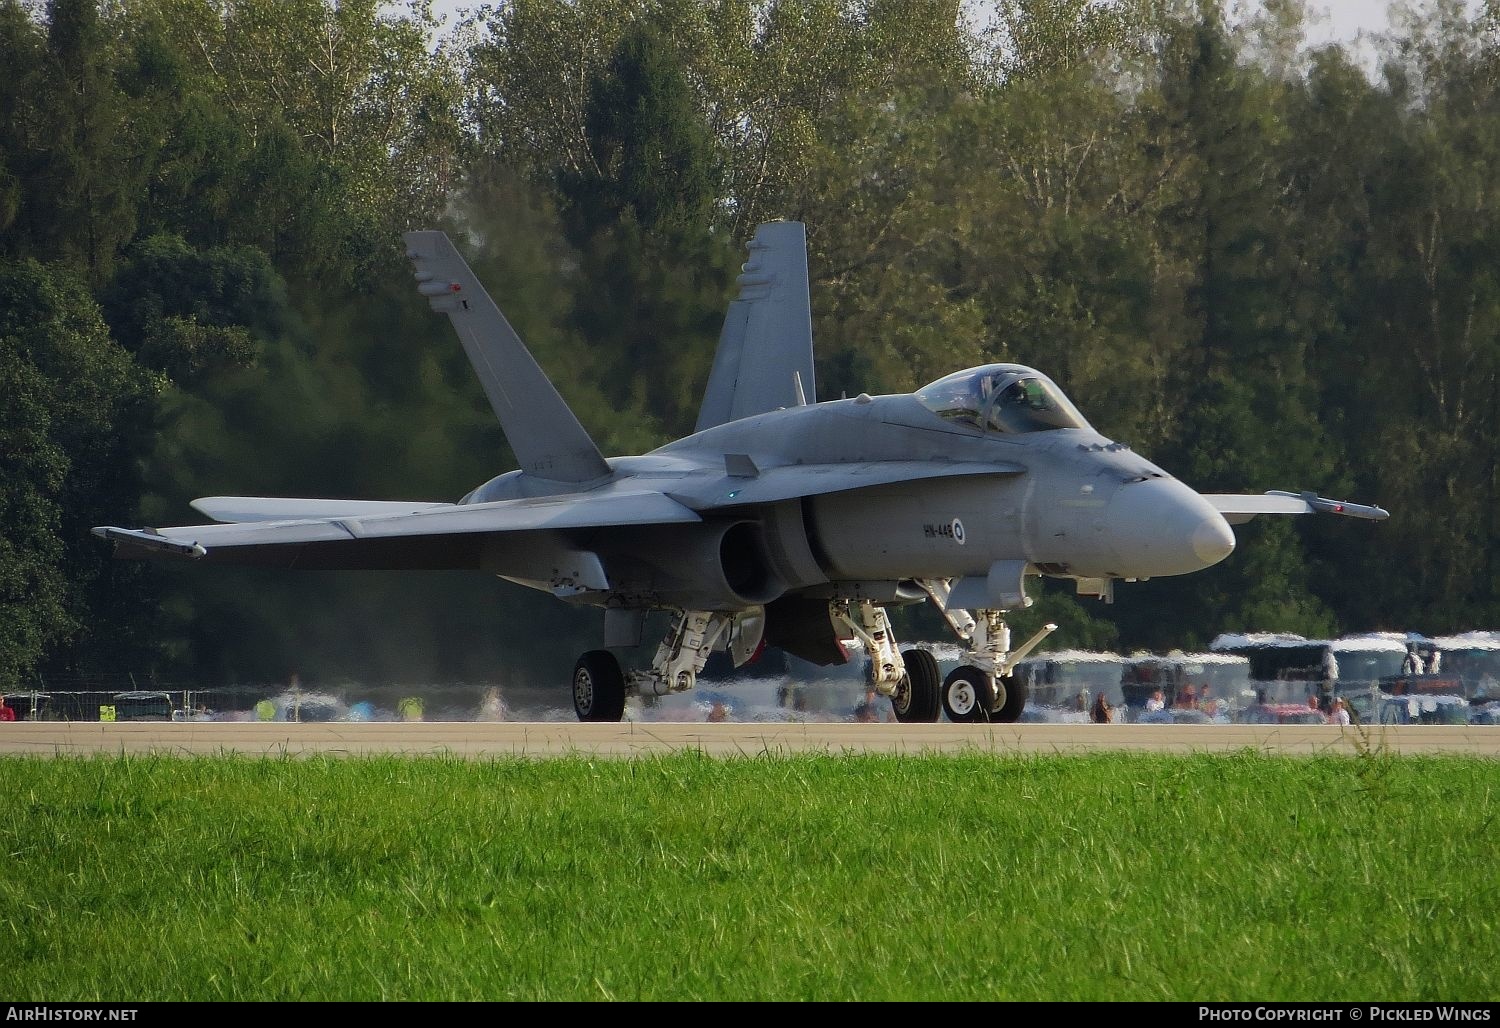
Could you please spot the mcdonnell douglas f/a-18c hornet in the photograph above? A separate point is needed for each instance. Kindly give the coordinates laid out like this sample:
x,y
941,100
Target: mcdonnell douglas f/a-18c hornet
x,y
781,520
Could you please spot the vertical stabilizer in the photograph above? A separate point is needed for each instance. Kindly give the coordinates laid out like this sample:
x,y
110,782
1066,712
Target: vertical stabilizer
x,y
547,438
765,357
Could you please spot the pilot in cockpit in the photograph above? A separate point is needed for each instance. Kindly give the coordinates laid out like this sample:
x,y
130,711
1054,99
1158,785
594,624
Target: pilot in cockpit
x,y
1001,398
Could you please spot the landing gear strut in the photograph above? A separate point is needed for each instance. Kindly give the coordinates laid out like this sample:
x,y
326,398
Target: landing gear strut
x,y
982,688
600,687
909,677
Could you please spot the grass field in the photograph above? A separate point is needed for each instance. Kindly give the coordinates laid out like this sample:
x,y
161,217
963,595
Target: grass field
x,y
1110,877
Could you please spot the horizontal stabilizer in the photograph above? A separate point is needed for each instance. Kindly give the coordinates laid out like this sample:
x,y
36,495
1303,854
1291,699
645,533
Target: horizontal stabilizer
x,y
1239,508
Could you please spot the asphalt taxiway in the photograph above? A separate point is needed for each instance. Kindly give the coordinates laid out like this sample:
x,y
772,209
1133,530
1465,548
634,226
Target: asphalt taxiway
x,y
478,740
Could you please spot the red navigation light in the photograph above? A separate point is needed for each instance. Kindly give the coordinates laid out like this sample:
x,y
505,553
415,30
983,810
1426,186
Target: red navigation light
x,y
455,287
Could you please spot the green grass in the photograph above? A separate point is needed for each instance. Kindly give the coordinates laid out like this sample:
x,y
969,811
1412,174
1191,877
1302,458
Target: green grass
x,y
1110,877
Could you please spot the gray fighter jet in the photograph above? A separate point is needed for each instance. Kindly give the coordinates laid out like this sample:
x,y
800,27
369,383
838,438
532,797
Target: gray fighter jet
x,y
781,520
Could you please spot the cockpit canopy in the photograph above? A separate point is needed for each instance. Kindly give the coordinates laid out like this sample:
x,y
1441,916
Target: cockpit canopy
x,y
1005,398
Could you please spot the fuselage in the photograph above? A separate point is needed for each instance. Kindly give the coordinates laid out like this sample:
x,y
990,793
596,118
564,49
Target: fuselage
x,y
1066,501
1083,506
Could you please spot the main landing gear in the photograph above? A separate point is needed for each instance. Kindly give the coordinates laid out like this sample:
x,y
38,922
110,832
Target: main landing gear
x,y
909,677
600,686
982,688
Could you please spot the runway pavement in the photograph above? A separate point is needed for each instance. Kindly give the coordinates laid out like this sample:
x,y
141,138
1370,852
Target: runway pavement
x,y
479,740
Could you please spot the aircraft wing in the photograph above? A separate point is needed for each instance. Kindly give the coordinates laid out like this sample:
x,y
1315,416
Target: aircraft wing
x,y
292,508
1239,508
440,536
745,483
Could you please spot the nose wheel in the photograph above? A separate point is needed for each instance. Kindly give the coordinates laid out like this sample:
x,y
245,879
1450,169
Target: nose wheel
x,y
1010,699
967,695
971,695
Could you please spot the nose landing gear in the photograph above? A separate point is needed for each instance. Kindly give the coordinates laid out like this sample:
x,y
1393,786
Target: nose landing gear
x,y
982,688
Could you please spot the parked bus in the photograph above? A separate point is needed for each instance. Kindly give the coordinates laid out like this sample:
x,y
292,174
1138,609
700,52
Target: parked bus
x,y
1062,685
1287,669
1474,659
1183,679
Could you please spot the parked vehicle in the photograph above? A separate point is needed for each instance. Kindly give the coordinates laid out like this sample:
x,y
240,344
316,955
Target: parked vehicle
x,y
1287,668
1226,677
1474,659
142,705
1424,710
1282,714
31,706
1066,682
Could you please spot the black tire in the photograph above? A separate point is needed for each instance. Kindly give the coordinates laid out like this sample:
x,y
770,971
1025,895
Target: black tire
x,y
967,696
598,687
916,699
1009,705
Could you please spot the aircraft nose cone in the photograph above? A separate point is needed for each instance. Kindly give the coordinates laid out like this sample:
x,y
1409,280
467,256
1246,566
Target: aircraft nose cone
x,y
1161,527
1213,539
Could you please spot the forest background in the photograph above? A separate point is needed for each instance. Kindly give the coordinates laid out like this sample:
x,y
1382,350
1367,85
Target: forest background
x,y
1260,263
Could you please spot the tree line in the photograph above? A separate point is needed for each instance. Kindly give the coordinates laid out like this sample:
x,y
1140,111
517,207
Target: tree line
x,y
1260,264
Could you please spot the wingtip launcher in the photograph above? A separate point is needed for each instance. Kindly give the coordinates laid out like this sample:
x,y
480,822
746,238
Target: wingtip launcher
x,y
149,540
1326,506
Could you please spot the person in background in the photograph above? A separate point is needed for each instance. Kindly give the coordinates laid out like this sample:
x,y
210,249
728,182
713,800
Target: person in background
x,y
1340,715
1103,713
7,712
1207,703
1412,665
492,706
719,712
1488,688
1328,670
1156,701
866,711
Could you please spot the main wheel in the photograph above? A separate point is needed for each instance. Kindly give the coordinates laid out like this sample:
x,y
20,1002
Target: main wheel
x,y
967,696
916,697
1010,701
598,687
